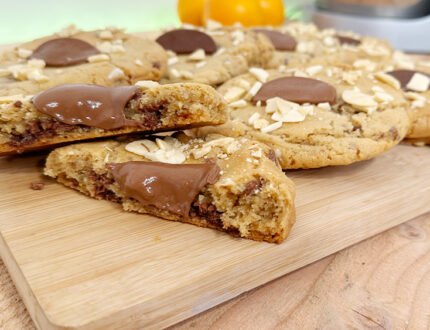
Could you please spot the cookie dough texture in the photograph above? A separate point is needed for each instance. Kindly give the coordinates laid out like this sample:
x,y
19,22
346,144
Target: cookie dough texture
x,y
159,108
337,134
125,59
252,197
238,50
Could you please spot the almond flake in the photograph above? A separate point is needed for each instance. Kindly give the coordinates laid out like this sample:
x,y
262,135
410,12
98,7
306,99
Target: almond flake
x,y
116,74
146,84
24,53
197,55
271,127
360,100
172,60
98,58
255,88
238,104
233,94
260,123
388,79
253,117
313,70
260,74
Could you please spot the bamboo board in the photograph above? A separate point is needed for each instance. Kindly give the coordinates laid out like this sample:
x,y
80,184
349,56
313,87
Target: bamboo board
x,y
81,263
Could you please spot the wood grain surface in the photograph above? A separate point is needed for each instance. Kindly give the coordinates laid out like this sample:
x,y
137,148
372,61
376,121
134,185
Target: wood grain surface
x,y
326,293
380,283
81,263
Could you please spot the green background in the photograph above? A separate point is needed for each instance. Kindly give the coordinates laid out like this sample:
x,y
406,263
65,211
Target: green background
x,y
23,20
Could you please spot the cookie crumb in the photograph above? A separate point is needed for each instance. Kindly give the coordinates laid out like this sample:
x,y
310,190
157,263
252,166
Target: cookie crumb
x,y
37,185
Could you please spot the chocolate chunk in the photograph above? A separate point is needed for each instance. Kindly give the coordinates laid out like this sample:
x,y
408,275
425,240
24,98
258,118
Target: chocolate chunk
x,y
281,41
171,187
405,76
272,156
64,52
298,90
183,41
207,211
253,186
37,185
17,104
89,105
348,41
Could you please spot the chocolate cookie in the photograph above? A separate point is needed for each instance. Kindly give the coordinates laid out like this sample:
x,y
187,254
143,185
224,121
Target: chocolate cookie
x,y
105,57
233,185
75,112
315,116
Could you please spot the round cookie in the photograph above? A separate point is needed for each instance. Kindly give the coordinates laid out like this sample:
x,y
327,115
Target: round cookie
x,y
106,57
314,46
415,84
213,56
337,117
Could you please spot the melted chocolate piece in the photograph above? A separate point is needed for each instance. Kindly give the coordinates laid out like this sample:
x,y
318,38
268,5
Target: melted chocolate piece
x,y
298,90
89,105
183,41
64,52
404,76
171,187
348,41
281,41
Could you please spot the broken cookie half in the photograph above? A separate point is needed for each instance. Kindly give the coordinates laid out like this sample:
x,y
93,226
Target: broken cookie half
x,y
75,112
233,185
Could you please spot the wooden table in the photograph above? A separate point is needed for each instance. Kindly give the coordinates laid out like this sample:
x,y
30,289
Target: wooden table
x,y
380,283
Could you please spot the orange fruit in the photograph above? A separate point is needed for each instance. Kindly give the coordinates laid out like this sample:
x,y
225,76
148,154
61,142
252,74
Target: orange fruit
x,y
272,11
228,12
191,11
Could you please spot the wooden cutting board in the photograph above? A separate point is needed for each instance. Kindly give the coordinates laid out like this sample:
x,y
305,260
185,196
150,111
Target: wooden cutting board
x,y
82,263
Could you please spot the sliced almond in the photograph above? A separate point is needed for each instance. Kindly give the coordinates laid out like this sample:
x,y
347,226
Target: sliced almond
x,y
388,79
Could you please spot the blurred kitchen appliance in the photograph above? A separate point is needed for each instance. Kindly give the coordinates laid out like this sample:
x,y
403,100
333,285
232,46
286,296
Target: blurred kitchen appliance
x,y
404,23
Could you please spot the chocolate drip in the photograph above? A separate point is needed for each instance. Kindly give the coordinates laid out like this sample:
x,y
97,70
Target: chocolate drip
x,y
281,41
171,187
64,52
89,105
298,90
183,41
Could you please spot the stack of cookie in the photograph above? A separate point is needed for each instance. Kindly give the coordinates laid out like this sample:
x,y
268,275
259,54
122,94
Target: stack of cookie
x,y
254,102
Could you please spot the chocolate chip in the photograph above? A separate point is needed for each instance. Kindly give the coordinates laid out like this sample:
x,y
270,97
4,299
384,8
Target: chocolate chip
x,y
37,185
17,104
281,41
183,41
348,41
298,90
253,186
404,76
64,52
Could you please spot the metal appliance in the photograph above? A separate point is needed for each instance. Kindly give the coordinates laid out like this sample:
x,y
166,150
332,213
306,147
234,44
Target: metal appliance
x,y
404,23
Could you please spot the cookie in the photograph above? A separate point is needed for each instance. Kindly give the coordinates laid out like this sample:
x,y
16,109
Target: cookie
x,y
315,116
213,56
233,185
413,79
75,112
300,43
105,57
